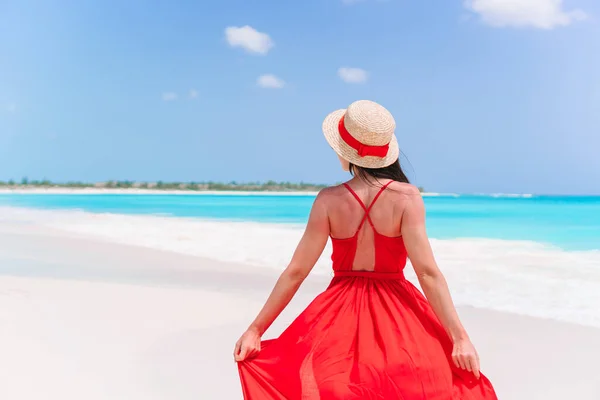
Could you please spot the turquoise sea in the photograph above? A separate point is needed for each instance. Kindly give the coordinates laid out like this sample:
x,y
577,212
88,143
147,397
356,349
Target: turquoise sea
x,y
567,222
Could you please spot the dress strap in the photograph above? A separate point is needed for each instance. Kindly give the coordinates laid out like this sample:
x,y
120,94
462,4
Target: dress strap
x,y
367,209
356,196
377,195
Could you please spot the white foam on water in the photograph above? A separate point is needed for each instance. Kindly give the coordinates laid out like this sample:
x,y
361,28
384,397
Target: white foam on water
x,y
434,194
511,195
516,276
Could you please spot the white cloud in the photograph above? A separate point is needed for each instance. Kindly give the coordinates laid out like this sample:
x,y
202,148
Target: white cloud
x,y
193,93
249,39
169,96
542,14
353,75
270,81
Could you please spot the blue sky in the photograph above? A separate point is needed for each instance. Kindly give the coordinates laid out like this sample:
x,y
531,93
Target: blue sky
x,y
488,95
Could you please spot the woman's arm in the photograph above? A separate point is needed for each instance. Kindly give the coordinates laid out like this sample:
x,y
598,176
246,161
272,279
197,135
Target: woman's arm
x,y
433,282
306,255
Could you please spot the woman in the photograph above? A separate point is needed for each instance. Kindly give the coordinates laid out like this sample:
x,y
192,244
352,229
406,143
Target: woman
x,y
371,334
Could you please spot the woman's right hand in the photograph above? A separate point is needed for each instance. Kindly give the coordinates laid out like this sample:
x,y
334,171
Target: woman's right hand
x,y
247,346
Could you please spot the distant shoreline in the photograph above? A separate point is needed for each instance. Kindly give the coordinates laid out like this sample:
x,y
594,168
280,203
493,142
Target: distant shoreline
x,y
206,192
183,192
160,187
59,190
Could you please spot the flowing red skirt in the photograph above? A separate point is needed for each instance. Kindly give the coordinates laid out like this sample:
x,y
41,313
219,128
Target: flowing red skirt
x,y
362,338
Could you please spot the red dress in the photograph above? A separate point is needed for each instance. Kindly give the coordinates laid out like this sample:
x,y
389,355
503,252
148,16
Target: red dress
x,y
370,335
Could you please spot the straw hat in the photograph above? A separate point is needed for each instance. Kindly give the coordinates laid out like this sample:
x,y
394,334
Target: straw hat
x,y
363,134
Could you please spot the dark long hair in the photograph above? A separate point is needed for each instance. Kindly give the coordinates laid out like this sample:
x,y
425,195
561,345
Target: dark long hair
x,y
370,175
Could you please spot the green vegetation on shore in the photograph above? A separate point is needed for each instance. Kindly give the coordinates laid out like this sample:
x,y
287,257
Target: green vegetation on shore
x,y
270,186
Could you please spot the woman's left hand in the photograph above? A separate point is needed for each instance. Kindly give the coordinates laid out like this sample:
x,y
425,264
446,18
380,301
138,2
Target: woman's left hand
x,y
465,356
247,346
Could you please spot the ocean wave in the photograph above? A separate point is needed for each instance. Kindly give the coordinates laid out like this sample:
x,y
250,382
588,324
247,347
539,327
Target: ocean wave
x,y
510,195
516,276
434,194
492,195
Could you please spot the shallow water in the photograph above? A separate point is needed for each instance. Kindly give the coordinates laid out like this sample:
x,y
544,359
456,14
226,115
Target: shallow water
x,y
568,222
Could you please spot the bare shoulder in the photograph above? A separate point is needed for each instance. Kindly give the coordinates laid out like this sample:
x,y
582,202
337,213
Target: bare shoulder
x,y
409,202
327,195
405,190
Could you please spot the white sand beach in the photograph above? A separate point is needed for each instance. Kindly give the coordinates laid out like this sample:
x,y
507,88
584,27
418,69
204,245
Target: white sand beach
x,y
83,318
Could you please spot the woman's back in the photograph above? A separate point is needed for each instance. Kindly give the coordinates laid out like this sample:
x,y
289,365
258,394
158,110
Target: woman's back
x,y
371,334
365,223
